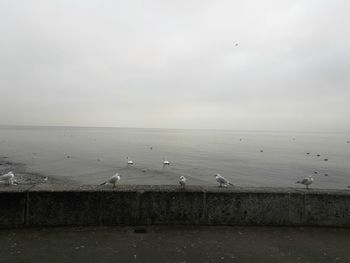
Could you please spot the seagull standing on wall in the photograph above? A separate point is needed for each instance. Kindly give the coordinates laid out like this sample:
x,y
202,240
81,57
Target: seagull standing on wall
x,y
113,180
182,181
8,179
222,180
307,181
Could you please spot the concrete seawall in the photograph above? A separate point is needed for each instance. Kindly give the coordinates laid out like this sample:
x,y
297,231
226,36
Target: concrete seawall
x,y
169,205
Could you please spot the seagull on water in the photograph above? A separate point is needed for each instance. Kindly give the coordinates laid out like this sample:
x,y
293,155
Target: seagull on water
x,y
222,180
129,162
165,162
307,181
113,180
182,181
8,179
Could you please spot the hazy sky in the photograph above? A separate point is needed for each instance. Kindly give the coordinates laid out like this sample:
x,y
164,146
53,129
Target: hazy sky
x,y
173,64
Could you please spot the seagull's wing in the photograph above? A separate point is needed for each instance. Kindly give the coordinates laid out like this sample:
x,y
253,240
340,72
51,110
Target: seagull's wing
x,y
221,179
304,181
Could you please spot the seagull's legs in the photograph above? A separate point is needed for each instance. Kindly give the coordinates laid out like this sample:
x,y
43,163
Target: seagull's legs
x,y
114,185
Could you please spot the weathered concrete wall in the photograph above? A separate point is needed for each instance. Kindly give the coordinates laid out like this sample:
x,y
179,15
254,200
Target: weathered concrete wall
x,y
143,205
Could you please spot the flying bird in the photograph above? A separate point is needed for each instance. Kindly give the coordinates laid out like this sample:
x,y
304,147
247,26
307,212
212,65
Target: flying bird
x,y
307,181
222,180
182,181
8,179
113,180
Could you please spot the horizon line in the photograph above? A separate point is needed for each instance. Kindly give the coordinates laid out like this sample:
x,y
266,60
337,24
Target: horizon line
x,y
163,128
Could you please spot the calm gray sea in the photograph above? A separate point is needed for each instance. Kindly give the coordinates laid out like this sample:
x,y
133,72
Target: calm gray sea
x,y
97,153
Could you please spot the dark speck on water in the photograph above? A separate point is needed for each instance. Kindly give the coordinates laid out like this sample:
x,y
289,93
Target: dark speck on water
x,y
318,155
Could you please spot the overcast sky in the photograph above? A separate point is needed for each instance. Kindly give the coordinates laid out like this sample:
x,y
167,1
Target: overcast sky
x,y
173,64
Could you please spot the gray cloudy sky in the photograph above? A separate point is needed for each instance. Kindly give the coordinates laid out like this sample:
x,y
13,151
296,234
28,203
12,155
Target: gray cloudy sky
x,y
173,64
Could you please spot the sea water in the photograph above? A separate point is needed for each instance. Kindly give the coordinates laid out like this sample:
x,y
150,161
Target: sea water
x,y
246,158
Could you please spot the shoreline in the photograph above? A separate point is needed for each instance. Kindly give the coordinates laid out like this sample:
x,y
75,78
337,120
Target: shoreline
x,y
25,177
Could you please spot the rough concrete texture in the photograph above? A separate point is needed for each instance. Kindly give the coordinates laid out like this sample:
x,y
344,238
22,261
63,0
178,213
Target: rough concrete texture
x,y
175,244
44,205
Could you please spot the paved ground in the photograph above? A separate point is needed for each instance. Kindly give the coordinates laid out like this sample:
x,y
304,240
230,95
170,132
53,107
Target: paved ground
x,y
175,244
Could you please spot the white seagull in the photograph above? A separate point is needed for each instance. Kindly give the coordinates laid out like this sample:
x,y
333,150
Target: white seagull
x,y
222,180
182,181
8,179
113,180
129,162
165,162
307,181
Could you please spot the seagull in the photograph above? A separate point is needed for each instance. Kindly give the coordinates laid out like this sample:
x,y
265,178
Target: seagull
x,y
8,179
307,181
113,180
46,179
130,162
222,180
165,162
182,181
